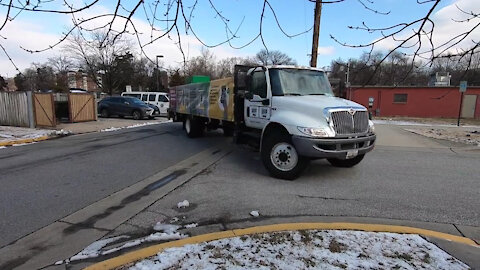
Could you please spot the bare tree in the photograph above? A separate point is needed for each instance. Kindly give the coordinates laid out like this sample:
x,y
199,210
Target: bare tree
x,y
266,57
416,38
61,65
3,84
98,55
173,18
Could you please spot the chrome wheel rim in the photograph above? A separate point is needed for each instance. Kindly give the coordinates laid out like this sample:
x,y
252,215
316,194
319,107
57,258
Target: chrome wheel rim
x,y
284,156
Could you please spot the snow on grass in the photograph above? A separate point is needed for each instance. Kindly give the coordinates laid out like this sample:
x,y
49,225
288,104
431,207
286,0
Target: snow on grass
x,y
455,135
330,249
191,225
413,123
183,204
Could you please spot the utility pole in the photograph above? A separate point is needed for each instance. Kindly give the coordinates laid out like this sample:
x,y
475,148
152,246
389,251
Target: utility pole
x,y
156,60
316,32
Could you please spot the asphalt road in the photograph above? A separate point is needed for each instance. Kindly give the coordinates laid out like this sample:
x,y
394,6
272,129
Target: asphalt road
x,y
43,182
407,177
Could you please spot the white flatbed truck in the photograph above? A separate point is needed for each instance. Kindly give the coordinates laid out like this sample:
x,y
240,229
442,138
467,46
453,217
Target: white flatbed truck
x,y
288,112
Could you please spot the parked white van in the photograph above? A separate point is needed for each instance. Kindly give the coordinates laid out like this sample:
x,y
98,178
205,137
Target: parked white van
x,y
159,99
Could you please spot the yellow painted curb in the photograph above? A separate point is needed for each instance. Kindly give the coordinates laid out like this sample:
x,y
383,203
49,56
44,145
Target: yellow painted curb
x,y
20,141
153,250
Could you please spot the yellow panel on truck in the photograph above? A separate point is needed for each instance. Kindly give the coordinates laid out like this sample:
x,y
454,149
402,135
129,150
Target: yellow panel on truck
x,y
212,99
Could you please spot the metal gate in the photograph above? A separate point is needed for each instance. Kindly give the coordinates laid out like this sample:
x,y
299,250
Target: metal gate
x,y
44,110
82,107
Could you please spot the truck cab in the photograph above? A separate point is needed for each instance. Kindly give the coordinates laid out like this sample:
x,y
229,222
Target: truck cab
x,y
296,118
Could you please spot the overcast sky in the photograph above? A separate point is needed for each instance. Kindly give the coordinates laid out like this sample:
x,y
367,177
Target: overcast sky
x,y
39,30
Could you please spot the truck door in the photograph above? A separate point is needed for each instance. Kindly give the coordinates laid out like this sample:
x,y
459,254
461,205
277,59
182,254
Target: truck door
x,y
257,102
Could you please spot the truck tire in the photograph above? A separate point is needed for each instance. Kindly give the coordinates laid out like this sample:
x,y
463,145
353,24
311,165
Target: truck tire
x,y
193,127
280,157
346,163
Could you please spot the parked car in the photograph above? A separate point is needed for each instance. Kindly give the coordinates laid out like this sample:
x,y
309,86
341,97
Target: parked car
x,y
158,99
125,106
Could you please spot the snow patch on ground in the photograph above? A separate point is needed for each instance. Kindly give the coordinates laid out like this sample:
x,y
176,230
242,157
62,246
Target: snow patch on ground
x,y
8,133
110,129
330,249
166,228
413,123
183,204
134,126
254,213
98,248
463,135
23,144
191,225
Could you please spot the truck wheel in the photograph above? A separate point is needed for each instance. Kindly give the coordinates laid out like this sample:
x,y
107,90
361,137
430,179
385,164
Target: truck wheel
x,y
281,158
346,163
193,127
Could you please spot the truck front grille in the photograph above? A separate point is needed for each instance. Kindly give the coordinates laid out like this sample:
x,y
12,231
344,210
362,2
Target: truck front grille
x,y
345,123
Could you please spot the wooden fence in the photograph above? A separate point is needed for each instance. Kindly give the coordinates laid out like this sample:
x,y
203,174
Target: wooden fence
x,y
82,107
27,109
44,108
16,109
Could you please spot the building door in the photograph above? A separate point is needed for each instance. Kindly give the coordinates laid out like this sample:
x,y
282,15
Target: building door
x,y
468,106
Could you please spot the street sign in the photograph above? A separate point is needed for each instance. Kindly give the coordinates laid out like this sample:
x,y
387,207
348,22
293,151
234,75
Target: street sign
x,y
370,101
463,86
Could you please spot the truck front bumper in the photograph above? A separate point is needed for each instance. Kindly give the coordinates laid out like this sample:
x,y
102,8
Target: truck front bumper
x,y
341,148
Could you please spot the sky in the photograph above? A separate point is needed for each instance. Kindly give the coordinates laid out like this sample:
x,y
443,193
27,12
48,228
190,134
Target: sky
x,y
40,30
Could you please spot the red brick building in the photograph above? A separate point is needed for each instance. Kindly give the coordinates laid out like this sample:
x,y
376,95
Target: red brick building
x,y
79,79
441,102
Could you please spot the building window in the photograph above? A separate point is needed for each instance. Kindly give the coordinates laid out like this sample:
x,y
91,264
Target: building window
x,y
400,98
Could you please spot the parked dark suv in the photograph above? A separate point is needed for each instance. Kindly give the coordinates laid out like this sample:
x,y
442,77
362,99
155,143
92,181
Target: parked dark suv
x,y
124,106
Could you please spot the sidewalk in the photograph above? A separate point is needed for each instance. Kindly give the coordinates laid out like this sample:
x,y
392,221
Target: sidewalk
x,y
19,136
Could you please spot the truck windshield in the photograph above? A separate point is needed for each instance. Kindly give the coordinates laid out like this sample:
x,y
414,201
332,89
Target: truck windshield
x,y
299,82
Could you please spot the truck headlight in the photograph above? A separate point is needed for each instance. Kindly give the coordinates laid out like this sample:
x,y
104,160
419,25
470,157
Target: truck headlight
x,y
314,132
371,127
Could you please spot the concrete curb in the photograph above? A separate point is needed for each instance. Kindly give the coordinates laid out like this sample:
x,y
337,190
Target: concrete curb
x,y
152,250
29,140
